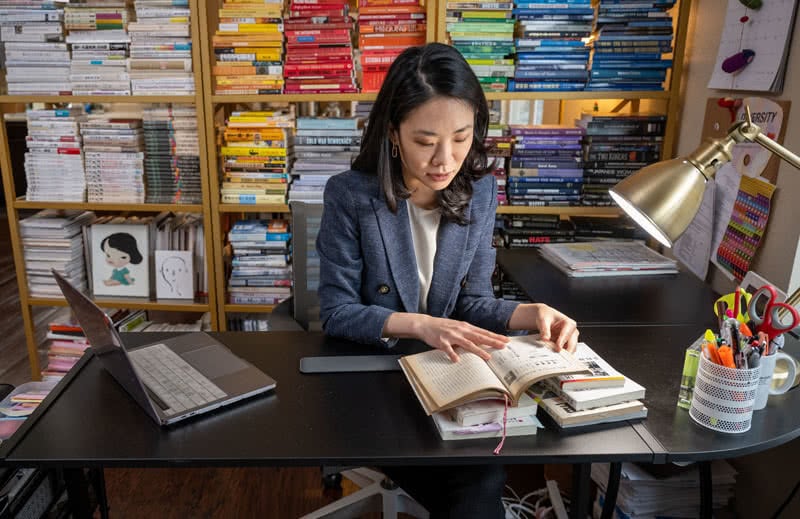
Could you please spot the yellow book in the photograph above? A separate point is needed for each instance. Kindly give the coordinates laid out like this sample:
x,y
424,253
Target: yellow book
x,y
253,199
249,28
235,151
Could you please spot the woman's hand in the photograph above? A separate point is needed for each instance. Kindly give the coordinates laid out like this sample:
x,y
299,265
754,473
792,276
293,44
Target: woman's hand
x,y
551,324
447,334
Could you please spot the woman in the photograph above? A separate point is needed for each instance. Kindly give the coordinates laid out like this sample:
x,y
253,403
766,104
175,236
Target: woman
x,y
405,245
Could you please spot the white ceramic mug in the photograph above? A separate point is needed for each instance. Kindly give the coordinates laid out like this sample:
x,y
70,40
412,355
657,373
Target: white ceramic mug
x,y
786,374
769,383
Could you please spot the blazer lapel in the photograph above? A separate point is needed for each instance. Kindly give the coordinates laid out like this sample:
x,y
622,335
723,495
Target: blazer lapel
x,y
396,235
451,246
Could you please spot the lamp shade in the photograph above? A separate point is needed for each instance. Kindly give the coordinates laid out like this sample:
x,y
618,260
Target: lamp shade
x,y
662,198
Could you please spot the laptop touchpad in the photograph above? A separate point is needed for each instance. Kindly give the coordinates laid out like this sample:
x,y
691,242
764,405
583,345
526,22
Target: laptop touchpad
x,y
214,361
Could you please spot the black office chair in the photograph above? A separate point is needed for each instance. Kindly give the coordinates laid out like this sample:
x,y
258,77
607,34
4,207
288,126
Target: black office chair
x,y
377,492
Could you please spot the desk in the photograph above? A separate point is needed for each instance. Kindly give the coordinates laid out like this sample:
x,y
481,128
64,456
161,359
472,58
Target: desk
x,y
309,420
619,300
304,422
670,431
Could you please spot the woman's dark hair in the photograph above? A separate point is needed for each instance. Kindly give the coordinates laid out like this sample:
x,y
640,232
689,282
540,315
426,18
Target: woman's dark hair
x,y
124,242
418,75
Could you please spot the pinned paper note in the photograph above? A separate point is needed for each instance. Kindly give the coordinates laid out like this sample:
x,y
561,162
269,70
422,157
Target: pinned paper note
x,y
766,32
750,158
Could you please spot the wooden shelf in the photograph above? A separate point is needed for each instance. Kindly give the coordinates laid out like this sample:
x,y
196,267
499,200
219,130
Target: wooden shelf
x,y
253,208
92,206
566,96
249,308
290,98
134,303
560,95
24,99
568,211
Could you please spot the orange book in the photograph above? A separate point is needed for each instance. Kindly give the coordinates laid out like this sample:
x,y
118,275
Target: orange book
x,y
391,9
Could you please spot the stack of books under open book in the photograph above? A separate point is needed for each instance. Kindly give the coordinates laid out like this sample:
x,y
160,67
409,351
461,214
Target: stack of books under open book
x,y
466,399
607,258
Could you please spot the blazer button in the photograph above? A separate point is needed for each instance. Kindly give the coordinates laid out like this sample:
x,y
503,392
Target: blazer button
x,y
383,289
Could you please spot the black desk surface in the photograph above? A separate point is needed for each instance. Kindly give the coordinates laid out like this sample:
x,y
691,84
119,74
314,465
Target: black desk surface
x,y
653,356
626,300
354,418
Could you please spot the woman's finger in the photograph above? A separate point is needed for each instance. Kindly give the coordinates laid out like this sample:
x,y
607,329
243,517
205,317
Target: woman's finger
x,y
567,327
471,347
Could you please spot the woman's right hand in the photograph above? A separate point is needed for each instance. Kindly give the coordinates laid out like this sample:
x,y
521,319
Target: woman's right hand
x,y
447,334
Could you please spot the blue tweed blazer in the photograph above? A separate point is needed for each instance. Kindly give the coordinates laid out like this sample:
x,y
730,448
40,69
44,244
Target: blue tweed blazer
x,y
368,268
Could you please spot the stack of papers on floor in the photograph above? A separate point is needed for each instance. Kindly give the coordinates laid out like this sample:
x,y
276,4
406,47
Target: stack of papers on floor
x,y
607,258
642,494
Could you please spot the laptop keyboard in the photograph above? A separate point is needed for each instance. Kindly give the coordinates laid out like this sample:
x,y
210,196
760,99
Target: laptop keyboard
x,y
173,380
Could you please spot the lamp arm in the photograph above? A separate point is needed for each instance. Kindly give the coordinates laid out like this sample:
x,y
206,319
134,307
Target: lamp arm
x,y
751,132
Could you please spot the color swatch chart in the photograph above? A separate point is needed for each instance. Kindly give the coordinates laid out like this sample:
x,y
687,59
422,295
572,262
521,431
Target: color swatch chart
x,y
746,227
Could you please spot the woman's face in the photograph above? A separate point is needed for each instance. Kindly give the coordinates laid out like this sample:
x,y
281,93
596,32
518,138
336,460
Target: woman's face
x,y
434,140
115,257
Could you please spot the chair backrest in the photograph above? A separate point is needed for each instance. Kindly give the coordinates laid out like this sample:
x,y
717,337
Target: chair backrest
x,y
306,218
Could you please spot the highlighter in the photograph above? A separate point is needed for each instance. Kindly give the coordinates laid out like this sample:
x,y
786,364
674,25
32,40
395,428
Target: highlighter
x,y
713,353
726,357
710,337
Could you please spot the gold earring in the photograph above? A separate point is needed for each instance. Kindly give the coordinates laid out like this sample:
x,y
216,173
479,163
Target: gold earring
x,y
394,150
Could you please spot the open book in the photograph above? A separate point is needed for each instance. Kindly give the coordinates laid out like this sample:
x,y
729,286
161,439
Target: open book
x,y
441,384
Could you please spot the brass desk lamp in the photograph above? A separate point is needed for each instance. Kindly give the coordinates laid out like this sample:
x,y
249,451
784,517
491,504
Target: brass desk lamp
x,y
664,197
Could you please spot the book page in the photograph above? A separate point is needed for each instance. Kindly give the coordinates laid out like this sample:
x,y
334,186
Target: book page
x,y
445,382
526,360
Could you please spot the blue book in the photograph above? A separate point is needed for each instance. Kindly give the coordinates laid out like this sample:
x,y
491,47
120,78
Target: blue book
x,y
327,123
558,181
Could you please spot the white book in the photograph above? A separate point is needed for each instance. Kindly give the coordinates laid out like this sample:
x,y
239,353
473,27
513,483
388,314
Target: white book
x,y
565,416
450,430
602,374
580,399
487,411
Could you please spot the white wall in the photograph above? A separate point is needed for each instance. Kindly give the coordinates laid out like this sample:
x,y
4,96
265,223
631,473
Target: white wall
x,y
778,259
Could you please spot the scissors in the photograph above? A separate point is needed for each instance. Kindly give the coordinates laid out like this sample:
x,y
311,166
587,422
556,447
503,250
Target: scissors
x,y
729,301
769,320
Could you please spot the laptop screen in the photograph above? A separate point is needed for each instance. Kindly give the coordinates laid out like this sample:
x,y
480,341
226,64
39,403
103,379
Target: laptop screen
x,y
106,343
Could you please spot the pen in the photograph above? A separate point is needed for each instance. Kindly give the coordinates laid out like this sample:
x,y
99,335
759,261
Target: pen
x,y
720,313
737,294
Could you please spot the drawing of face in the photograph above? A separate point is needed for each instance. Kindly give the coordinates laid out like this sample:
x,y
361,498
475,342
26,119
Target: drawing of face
x,y
115,257
172,269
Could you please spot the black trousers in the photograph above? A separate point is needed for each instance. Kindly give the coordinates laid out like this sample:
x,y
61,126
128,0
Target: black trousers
x,y
463,492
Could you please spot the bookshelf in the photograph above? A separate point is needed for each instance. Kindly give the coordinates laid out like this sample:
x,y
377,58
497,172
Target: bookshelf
x,y
204,19
16,103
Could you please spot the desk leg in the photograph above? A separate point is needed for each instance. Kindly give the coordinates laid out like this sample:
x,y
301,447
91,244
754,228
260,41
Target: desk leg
x,y
612,488
78,493
99,483
581,483
705,489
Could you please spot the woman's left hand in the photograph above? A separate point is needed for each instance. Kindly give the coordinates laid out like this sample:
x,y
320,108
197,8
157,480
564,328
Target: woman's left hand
x,y
551,324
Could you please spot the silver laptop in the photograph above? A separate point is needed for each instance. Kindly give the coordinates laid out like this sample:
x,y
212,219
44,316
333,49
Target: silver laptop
x,y
171,380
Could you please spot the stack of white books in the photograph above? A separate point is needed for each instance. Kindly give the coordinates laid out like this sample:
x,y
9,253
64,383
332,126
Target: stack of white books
x,y
642,494
54,160
53,240
603,396
484,419
36,57
607,258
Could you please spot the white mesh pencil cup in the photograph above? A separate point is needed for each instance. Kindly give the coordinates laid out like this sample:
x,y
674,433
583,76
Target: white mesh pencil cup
x,y
723,397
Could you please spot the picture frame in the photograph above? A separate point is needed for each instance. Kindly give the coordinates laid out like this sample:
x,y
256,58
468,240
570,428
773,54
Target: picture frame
x,y
174,274
120,259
